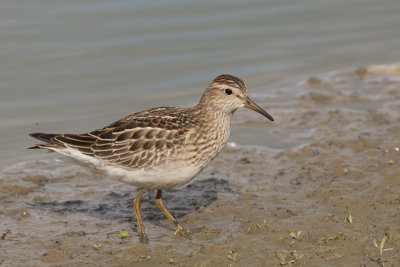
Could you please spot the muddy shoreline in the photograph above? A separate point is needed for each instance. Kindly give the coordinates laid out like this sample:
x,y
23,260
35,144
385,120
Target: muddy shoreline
x,y
320,200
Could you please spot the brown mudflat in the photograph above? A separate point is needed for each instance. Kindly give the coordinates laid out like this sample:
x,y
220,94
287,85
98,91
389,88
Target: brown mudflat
x,y
319,198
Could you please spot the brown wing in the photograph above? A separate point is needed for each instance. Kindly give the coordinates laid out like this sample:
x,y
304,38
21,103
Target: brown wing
x,y
136,141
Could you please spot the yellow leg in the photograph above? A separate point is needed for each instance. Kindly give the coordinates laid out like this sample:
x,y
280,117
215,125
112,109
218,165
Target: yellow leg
x,y
136,207
161,206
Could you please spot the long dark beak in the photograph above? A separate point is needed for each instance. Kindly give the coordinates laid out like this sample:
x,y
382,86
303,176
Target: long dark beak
x,y
251,105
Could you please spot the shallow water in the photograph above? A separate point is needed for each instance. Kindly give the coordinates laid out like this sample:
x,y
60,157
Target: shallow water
x,y
78,65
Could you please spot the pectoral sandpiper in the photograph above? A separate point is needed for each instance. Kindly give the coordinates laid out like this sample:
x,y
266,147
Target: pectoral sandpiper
x,y
160,148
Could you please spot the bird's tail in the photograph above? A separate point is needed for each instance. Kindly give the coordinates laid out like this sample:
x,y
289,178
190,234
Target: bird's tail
x,y
49,139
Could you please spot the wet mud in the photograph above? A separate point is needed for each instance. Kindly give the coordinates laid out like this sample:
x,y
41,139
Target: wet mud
x,y
118,206
321,189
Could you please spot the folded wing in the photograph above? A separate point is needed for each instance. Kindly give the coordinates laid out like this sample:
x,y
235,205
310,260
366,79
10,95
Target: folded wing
x,y
136,141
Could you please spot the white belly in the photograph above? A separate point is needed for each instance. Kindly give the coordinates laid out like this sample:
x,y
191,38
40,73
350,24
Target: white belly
x,y
156,178
166,176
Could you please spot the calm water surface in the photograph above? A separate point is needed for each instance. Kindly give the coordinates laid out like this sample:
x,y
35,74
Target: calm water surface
x,y
72,66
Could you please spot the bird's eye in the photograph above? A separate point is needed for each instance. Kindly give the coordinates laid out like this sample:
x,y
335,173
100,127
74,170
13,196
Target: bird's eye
x,y
228,91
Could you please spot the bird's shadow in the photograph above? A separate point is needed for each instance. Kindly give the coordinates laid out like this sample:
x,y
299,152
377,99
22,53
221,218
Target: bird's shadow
x,y
118,206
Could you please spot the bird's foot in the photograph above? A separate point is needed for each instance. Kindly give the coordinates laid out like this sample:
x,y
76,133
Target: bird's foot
x,y
181,231
143,238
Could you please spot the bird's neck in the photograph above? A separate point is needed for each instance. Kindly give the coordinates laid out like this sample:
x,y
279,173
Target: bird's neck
x,y
215,125
214,115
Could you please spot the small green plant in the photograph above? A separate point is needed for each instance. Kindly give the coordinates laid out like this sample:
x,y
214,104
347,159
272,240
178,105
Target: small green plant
x,y
381,247
143,258
124,234
295,236
348,218
97,246
288,257
232,255
259,188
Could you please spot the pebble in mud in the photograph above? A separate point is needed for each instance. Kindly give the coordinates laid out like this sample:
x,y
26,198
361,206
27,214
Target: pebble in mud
x,y
18,214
